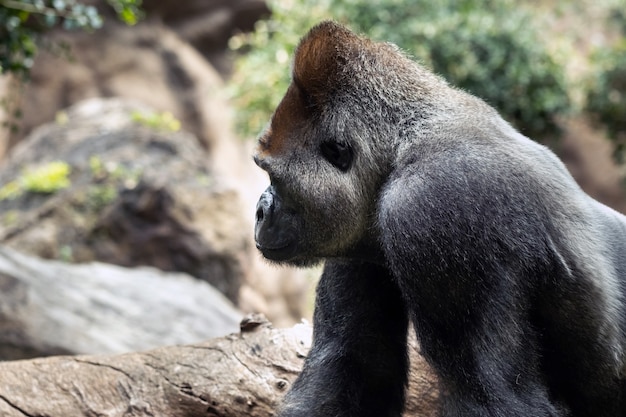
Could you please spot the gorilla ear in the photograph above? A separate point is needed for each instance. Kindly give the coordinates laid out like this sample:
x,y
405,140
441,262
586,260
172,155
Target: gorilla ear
x,y
319,59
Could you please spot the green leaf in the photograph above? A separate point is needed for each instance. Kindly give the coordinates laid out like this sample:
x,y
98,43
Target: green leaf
x,y
47,178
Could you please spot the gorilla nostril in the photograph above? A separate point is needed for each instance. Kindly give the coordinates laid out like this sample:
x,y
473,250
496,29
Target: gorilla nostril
x,y
259,214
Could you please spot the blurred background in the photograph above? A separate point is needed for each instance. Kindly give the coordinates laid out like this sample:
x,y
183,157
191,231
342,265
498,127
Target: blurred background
x,y
127,189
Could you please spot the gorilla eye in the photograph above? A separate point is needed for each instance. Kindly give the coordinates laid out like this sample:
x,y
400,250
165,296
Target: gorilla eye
x,y
338,154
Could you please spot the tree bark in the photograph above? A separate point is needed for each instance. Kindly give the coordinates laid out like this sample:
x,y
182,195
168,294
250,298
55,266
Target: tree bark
x,y
244,374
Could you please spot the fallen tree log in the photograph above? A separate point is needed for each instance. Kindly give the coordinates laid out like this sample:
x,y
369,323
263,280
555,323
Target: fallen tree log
x,y
243,374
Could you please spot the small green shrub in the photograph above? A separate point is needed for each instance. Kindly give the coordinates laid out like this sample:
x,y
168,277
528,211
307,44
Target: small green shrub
x,y
45,179
101,195
10,191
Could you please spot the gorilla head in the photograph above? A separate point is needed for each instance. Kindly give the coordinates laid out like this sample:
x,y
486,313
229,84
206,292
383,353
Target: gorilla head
x,y
330,146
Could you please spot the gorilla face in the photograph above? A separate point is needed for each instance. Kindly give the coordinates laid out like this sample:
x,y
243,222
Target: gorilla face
x,y
312,209
327,156
319,203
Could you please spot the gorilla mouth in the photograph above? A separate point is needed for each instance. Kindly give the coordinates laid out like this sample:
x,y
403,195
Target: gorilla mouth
x,y
278,252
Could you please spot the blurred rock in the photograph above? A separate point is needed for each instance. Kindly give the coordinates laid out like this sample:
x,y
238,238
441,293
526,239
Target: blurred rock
x,y
138,196
50,308
148,62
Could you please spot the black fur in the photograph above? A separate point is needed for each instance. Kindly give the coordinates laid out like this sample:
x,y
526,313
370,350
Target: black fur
x,y
358,361
430,207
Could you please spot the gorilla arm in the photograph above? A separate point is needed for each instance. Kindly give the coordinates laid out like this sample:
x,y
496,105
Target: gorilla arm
x,y
358,363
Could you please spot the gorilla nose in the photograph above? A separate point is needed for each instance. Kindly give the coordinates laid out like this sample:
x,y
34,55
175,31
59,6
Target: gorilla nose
x,y
275,231
260,213
265,207
265,229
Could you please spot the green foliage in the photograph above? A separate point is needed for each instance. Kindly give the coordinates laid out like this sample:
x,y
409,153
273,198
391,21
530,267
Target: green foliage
x,y
487,47
22,22
113,171
10,191
606,98
66,254
101,195
503,62
97,168
45,179
128,11
107,178
157,121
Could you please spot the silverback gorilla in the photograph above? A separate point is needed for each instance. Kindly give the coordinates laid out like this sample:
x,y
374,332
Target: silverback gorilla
x,y
429,209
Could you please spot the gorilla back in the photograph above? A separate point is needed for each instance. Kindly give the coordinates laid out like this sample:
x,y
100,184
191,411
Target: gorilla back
x,y
427,207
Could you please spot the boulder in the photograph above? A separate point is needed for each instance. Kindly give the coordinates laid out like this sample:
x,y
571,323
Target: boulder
x,y
137,195
51,307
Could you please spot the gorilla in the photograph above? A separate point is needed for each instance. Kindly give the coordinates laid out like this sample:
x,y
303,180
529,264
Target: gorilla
x,y
428,208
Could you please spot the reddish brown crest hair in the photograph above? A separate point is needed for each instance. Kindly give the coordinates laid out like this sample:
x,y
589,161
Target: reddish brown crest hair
x,y
319,56
317,67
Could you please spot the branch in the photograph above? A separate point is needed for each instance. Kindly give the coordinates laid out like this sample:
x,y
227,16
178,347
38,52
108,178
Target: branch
x,y
241,374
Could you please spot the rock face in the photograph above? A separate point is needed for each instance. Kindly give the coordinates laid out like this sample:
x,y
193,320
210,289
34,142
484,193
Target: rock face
x,y
137,196
51,307
148,63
